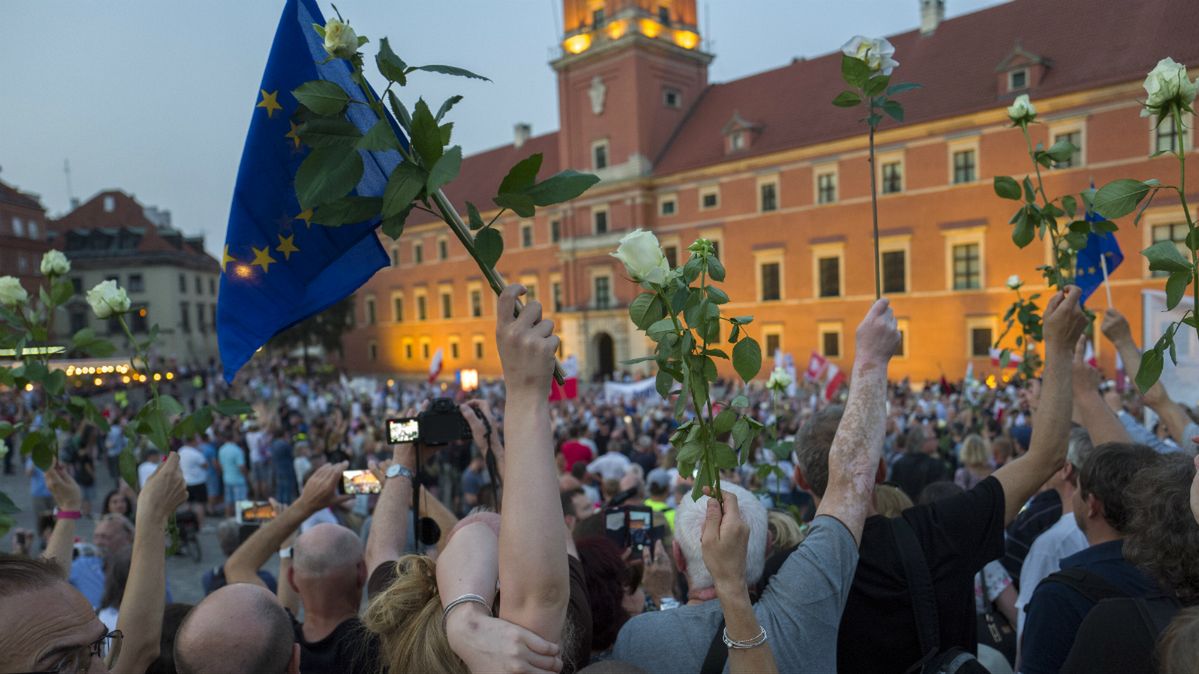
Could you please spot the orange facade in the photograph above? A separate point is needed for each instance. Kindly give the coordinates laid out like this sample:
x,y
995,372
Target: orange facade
x,y
783,185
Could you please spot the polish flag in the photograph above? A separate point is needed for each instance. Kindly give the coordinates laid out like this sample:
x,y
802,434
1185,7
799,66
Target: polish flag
x,y
1090,356
834,378
435,365
816,366
1013,360
570,390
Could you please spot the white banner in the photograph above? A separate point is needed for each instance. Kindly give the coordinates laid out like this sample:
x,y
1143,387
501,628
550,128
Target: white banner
x,y
618,392
1181,380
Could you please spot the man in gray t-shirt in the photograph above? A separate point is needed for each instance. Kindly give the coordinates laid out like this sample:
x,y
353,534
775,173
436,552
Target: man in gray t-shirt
x,y
802,604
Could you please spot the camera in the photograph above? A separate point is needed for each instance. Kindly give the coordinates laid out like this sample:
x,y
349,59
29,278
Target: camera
x,y
632,526
441,424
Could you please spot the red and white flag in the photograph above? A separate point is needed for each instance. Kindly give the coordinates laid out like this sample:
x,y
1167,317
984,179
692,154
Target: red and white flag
x,y
570,390
833,379
1014,358
435,365
1090,356
816,366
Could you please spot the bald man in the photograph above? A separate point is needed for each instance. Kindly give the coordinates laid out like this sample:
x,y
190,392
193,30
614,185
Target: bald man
x,y
238,628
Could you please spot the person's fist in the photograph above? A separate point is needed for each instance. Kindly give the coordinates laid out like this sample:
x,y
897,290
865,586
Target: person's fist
x,y
66,492
165,490
1064,320
1115,327
725,541
878,335
1085,378
526,342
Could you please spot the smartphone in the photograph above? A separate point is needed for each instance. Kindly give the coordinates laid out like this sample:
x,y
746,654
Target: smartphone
x,y
254,512
402,430
359,482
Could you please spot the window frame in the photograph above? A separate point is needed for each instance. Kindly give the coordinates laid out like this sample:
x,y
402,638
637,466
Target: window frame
x,y
817,173
443,291
975,235
977,322
606,146
671,199
678,98
830,327
370,310
1011,79
595,212
397,316
474,289
713,190
596,275
526,228
772,330
893,244
904,327
1069,127
956,147
1188,138
761,259
825,251
443,248
884,161
421,297
762,184
477,343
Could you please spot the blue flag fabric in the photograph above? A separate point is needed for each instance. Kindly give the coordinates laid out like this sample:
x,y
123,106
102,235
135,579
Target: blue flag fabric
x,y
1088,274
278,267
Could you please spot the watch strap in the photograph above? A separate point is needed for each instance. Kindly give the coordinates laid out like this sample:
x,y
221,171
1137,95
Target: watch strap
x,y
67,514
399,470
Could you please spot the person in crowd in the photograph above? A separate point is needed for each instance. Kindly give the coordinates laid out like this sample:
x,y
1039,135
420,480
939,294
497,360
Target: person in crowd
x,y
43,500
957,536
976,462
215,484
234,472
84,451
574,450
659,492
1101,508
785,532
611,583
114,444
921,465
890,500
1178,650
819,570
611,465
474,478
117,502
228,536
151,457
195,474
238,628
113,533
116,577
283,465
645,454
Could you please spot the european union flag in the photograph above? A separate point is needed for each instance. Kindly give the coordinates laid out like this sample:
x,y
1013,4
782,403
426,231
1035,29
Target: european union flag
x,y
278,267
1100,249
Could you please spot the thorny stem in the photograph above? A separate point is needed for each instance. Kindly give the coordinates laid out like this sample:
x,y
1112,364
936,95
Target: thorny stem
x,y
1176,112
1053,233
878,279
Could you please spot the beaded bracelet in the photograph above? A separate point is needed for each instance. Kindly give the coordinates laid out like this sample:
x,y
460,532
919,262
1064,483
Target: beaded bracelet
x,y
464,599
745,645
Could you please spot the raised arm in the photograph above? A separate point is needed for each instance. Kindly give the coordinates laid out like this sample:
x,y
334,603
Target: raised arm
x,y
389,526
858,445
1064,322
140,619
319,493
533,568
1101,422
68,498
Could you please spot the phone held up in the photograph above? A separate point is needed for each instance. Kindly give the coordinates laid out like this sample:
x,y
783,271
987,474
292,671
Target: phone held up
x,y
359,482
632,526
254,512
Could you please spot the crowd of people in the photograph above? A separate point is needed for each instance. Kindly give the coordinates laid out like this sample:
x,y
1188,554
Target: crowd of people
x,y
946,527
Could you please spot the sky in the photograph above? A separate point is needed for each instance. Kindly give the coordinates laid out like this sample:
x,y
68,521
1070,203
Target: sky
x,y
155,98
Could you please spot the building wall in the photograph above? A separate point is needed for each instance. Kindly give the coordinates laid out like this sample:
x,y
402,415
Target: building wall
x,y
22,243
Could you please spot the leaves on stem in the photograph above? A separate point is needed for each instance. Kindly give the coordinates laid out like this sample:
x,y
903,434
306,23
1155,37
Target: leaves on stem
x,y
1120,197
490,246
1007,187
327,173
450,70
747,358
322,97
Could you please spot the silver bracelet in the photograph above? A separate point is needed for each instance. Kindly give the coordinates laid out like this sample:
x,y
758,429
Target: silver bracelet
x,y
464,599
745,645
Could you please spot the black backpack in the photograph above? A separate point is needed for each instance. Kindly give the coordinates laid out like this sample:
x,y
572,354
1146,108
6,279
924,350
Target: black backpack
x,y
924,607
1119,634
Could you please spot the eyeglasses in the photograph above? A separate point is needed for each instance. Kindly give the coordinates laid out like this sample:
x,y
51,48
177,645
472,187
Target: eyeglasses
x,y
79,660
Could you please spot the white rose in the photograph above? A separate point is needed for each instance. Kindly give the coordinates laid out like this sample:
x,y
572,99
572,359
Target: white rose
x,y
1022,110
340,40
107,298
876,52
779,380
11,292
643,257
1167,82
1014,281
54,263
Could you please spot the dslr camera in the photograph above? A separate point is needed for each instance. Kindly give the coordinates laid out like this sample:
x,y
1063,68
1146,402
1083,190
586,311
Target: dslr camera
x,y
441,424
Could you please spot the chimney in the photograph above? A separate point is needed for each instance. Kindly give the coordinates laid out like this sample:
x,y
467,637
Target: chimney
x,y
521,133
74,203
932,13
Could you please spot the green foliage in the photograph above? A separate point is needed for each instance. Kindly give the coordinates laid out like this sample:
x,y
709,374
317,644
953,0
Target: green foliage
x,y
1120,197
326,174
322,97
871,88
490,246
347,210
328,131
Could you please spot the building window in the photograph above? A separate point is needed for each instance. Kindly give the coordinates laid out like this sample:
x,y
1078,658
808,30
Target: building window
x,y
33,229
672,98
826,188
447,304
1166,137
556,295
895,271
1017,80
603,292
597,18
373,351
422,309
395,257
672,255
77,284
424,350
211,286
1175,232
18,227
182,283
199,285
829,273
526,235
370,311
454,349
599,220
140,324
668,206
768,198
664,15
769,282
1075,139
830,339
773,341
476,303
443,249
892,178
980,341
967,266
964,167
185,320
78,320
137,283
530,285
397,308
109,204
709,198
408,350
418,253
599,155
478,348
736,141
555,231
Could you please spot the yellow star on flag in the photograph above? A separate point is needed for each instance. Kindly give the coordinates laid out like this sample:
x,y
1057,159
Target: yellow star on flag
x,y
269,102
295,137
262,258
226,258
306,216
287,246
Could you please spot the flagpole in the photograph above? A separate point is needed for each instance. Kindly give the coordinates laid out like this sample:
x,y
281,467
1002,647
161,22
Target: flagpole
x,y
1107,288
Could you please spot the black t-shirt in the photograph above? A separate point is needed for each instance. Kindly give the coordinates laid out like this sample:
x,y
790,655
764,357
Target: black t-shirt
x,y
349,648
959,535
914,472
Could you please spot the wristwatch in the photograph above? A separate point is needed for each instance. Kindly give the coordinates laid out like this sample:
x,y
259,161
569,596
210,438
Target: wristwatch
x,y
397,470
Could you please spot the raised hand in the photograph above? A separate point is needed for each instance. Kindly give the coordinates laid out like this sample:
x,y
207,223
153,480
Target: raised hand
x,y
1115,327
877,337
164,492
1086,378
488,644
526,343
66,492
1063,320
725,539
320,491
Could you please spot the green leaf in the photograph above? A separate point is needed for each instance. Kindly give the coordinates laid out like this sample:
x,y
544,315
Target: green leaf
x,y
398,109
391,66
7,507
55,381
393,226
446,131
521,204
1119,197
1070,205
405,183
451,70
323,97
1164,256
646,309
855,71
660,328
232,407
1176,287
715,269
1152,362
445,170
894,110
1030,192
426,136
472,214
847,99
381,137
1104,227
747,358
1061,150
735,334
1024,231
328,131
63,290
561,187
1007,187
445,107
347,211
521,176
662,382
723,423
722,455
327,173
489,245
128,465
876,85
6,429
902,87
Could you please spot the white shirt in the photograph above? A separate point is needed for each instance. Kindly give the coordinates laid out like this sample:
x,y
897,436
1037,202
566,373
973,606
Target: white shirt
x,y
193,465
1045,556
610,466
144,470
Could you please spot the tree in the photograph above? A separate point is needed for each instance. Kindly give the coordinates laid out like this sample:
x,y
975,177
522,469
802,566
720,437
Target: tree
x,y
324,330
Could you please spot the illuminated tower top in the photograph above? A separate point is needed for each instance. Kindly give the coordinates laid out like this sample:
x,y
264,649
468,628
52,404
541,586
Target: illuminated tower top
x,y
591,24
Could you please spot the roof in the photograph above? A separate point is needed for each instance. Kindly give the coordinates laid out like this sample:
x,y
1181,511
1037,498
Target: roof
x,y
1088,44
13,197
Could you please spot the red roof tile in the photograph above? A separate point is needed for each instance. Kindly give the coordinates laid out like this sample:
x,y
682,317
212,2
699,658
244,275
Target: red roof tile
x,y
1088,43
12,196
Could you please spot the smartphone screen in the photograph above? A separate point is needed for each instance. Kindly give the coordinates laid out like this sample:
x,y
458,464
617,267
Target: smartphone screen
x,y
641,519
359,482
254,512
402,430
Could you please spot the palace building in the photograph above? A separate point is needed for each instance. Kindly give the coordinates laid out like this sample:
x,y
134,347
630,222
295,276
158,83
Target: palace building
x,y
768,169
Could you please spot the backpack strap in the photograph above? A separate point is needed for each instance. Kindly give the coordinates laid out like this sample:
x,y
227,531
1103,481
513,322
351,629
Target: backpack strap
x,y
718,653
1089,584
920,590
